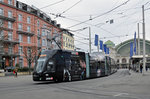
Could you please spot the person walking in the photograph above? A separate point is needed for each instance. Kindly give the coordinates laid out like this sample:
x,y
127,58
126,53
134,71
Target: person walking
x,y
15,72
146,68
141,68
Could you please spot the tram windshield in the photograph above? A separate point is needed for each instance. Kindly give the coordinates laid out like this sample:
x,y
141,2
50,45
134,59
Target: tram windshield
x,y
40,64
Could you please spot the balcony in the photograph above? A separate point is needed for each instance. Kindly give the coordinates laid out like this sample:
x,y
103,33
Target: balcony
x,y
10,41
13,19
13,54
25,32
6,29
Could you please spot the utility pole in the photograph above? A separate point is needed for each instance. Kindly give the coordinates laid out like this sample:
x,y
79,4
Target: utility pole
x,y
138,39
138,46
144,58
89,40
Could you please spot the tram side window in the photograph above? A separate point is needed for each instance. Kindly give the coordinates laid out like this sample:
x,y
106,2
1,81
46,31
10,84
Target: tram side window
x,y
68,64
75,64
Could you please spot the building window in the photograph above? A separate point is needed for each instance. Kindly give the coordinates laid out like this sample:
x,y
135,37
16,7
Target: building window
x,y
124,60
64,44
10,14
50,30
9,35
55,31
20,38
43,42
38,23
43,32
10,50
28,29
20,5
44,26
1,11
19,26
39,42
1,23
19,17
20,50
38,32
10,25
29,51
1,34
29,39
21,61
63,38
28,9
15,1
10,2
28,20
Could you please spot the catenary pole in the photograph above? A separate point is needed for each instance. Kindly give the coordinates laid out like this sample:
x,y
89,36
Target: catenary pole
x,y
144,59
138,45
138,39
89,40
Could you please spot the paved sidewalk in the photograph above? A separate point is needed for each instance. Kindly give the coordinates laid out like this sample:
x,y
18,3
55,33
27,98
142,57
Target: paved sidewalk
x,y
146,73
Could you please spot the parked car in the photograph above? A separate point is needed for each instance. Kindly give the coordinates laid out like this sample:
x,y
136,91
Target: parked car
x,y
9,69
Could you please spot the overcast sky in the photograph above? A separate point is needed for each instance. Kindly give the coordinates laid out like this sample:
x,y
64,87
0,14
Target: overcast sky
x,y
125,18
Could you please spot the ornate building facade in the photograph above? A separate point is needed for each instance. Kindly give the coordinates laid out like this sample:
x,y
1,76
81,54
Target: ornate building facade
x,y
22,26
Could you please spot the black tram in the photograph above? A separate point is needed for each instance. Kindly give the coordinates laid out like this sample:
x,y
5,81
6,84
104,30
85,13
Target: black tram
x,y
64,65
60,65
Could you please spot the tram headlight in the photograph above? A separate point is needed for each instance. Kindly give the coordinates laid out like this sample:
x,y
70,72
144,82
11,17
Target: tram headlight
x,y
46,74
50,62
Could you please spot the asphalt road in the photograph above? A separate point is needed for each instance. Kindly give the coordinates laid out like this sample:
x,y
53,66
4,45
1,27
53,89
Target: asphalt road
x,y
121,85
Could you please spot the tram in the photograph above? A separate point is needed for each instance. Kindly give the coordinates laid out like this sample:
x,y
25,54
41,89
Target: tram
x,y
64,65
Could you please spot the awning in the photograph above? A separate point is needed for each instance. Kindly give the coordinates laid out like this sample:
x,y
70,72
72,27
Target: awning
x,y
138,56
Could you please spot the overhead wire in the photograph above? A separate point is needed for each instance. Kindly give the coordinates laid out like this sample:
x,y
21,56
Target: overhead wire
x,y
100,14
132,23
60,14
87,23
52,4
70,7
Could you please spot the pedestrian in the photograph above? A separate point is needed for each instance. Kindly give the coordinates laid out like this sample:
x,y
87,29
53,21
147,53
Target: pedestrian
x,y
16,72
129,67
146,68
141,68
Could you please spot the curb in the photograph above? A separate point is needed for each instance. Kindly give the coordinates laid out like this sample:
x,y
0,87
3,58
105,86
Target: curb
x,y
6,74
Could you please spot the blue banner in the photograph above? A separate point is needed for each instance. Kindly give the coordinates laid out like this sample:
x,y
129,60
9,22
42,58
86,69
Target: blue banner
x,y
96,40
131,49
105,48
101,45
107,51
135,43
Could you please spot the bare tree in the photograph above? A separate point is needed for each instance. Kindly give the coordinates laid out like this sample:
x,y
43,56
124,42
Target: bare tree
x,y
31,53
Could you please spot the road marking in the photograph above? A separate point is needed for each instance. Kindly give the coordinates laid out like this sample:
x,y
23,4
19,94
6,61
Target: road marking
x,y
120,94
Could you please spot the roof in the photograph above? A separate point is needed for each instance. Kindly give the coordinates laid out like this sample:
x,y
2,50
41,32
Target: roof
x,y
110,43
124,48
